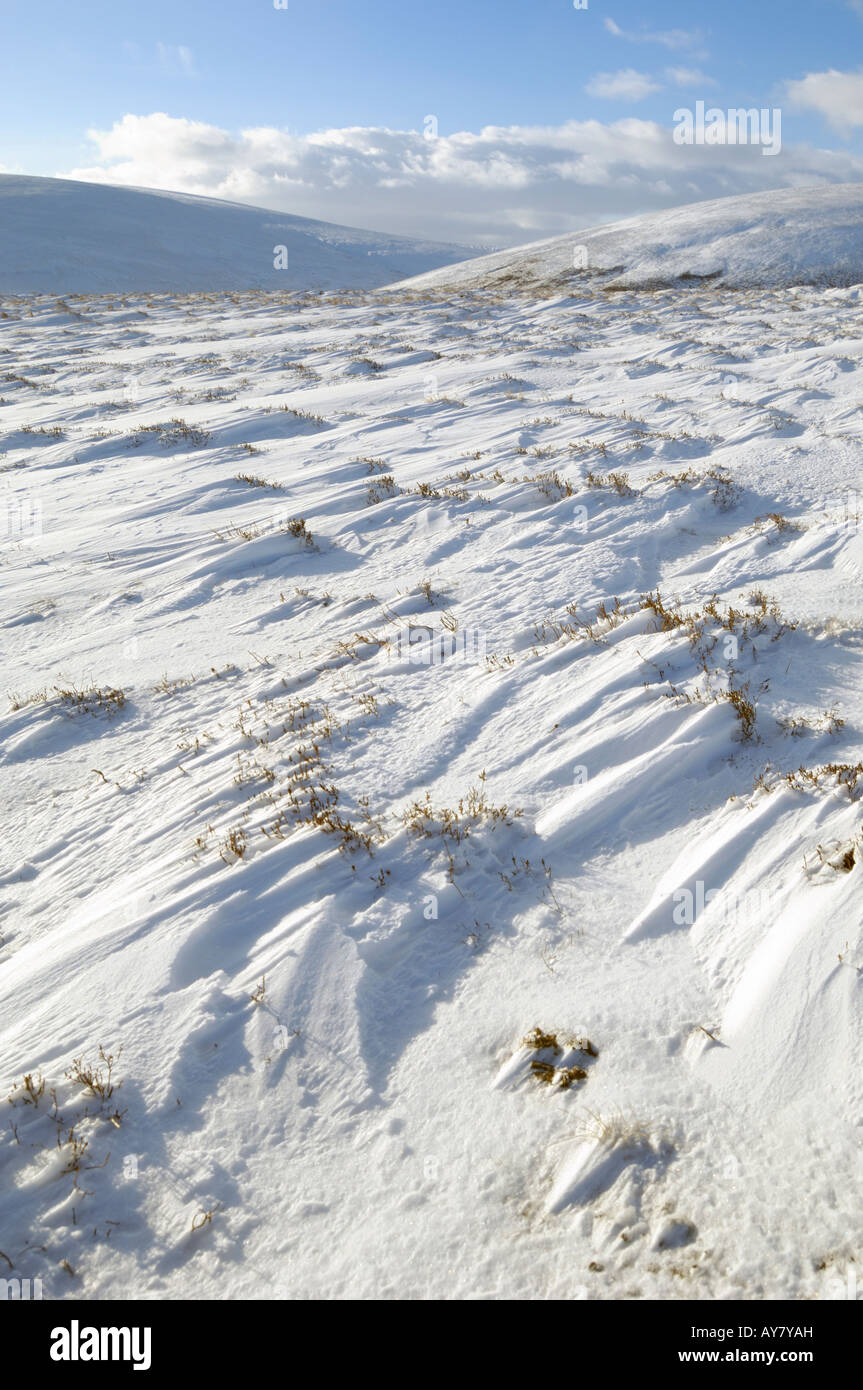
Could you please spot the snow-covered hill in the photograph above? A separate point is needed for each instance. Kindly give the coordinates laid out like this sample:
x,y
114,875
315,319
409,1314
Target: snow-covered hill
x,y
785,237
62,237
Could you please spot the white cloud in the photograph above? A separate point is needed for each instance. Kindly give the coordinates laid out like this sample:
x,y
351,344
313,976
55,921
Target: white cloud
x,y
625,85
669,38
691,77
836,95
501,185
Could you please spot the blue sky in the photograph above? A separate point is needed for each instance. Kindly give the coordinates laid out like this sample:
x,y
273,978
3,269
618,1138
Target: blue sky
x,y
332,65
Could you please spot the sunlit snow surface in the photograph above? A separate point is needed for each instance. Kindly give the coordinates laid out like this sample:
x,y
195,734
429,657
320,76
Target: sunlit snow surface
x,y
211,871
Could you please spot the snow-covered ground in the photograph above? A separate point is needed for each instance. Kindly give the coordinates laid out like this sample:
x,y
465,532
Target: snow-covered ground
x,y
531,971
785,237
63,237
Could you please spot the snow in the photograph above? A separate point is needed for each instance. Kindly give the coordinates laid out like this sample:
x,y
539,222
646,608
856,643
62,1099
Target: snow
x,y
585,1023
63,237
783,237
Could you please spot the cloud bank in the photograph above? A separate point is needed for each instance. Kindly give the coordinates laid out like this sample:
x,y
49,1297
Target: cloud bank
x,y
498,187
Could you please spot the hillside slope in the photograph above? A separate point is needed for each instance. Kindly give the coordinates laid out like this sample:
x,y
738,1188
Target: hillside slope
x,y
62,237
783,237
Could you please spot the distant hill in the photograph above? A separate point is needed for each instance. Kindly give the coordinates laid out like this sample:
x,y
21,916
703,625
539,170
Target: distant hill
x,y
61,236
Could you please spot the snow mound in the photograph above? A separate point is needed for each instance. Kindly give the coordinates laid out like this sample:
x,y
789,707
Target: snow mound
x,y
58,236
784,237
